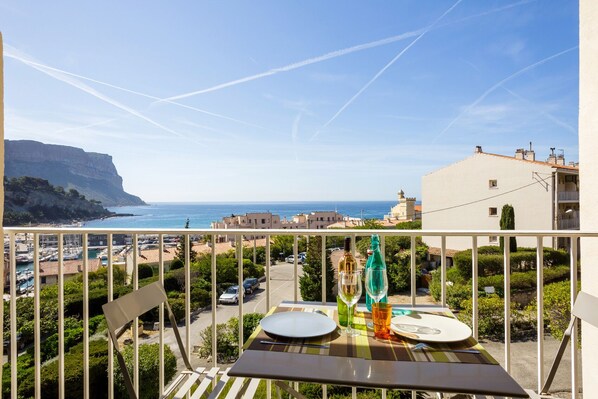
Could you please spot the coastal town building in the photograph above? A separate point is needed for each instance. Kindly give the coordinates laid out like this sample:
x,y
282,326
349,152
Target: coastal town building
x,y
267,220
470,194
404,211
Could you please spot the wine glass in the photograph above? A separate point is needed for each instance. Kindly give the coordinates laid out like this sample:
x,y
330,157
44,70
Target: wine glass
x,y
349,289
376,283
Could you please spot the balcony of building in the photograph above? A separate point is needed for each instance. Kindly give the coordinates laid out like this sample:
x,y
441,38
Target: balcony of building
x,y
31,310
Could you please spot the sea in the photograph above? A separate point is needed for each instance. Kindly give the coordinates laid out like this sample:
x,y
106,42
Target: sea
x,y
200,215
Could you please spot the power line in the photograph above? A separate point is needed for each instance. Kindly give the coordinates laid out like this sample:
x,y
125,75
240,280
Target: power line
x,y
487,198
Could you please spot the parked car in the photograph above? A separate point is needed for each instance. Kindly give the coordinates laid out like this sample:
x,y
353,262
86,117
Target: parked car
x,y
251,284
231,295
291,258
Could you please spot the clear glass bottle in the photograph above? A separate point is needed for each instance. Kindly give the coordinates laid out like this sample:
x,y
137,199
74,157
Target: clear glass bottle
x,y
376,260
348,264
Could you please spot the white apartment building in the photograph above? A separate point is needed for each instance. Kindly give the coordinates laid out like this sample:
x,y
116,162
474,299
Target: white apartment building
x,y
470,194
266,220
313,220
252,220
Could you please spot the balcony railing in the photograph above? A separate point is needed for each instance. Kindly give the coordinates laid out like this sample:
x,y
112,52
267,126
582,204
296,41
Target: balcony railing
x,y
568,196
569,224
35,234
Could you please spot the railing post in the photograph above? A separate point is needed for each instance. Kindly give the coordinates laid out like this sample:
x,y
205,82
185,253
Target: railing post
x,y
161,313
507,302
214,302
574,357
188,244
13,320
540,302
37,317
268,264
324,269
110,298
296,269
61,392
241,290
135,282
443,270
413,273
85,317
474,285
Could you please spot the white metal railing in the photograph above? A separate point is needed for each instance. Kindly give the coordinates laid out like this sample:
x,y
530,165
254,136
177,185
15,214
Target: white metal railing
x,y
569,224
568,196
35,233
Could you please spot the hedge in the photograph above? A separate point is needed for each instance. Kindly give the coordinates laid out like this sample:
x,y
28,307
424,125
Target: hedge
x,y
490,260
459,289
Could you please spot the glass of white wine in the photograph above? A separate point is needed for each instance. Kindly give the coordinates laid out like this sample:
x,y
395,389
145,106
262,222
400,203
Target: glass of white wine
x,y
349,289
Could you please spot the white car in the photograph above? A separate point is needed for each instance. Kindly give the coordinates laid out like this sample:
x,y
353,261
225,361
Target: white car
x,y
231,295
291,259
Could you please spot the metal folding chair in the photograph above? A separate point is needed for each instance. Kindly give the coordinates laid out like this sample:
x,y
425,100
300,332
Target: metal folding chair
x,y
584,309
121,312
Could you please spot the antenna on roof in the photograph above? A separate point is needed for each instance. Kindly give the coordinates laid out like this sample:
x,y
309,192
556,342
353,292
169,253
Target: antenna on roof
x,y
552,150
530,146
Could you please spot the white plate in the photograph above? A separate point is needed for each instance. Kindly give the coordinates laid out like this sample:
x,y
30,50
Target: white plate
x,y
430,328
298,324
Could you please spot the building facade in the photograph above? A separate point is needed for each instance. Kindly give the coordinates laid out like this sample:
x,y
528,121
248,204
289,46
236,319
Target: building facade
x,y
404,211
470,194
266,220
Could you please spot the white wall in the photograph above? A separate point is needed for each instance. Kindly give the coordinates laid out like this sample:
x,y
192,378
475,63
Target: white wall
x,y
588,164
468,180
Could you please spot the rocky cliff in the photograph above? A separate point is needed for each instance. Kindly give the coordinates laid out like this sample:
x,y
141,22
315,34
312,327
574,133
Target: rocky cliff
x,y
91,174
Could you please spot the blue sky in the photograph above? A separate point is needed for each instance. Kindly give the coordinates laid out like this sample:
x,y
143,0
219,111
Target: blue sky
x,y
290,100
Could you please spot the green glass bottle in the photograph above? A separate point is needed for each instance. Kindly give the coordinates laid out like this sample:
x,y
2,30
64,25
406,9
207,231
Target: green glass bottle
x,y
347,263
376,261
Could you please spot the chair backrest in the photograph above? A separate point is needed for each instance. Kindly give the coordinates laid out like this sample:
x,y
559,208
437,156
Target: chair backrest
x,y
126,308
120,312
585,308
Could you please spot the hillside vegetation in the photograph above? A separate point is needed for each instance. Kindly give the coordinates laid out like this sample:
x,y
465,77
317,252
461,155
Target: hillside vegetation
x,y
33,200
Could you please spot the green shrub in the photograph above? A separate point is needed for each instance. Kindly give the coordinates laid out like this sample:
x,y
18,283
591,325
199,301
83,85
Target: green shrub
x,y
491,318
557,307
149,367
490,260
144,271
456,292
177,264
227,341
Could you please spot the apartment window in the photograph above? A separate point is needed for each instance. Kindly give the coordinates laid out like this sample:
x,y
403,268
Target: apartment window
x,y
263,221
493,183
492,211
493,239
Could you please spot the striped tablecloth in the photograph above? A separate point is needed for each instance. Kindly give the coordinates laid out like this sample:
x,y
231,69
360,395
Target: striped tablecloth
x,y
366,346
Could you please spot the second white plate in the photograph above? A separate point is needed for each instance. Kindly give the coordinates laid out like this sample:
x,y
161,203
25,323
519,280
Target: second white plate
x,y
430,328
298,324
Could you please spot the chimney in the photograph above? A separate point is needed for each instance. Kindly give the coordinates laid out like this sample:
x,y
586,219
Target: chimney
x,y
560,159
519,153
478,149
552,157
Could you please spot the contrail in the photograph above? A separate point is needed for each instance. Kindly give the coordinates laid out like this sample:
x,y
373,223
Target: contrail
x,y
82,86
380,72
499,84
47,67
335,54
546,114
300,64
66,129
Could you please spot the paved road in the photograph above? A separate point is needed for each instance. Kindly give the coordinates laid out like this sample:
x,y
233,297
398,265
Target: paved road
x,y
281,288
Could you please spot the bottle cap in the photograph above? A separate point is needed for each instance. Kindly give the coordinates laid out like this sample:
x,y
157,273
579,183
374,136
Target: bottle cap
x,y
347,244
